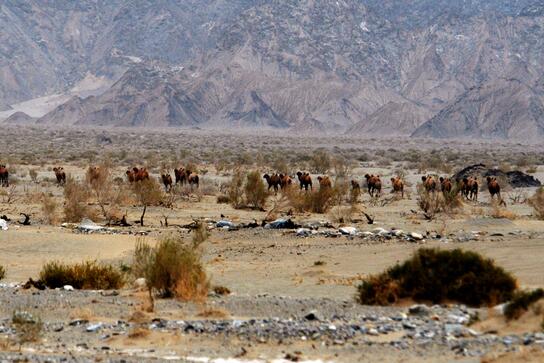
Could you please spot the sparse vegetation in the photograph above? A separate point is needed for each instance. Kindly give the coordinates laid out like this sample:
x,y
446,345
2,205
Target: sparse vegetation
x,y
255,191
49,209
172,268
28,326
521,302
436,276
537,202
75,201
85,275
147,192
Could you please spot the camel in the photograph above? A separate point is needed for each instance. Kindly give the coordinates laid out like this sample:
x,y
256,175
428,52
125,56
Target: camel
x,y
398,186
60,175
374,185
429,183
494,187
285,181
167,181
192,178
180,175
445,185
305,180
4,176
274,181
324,182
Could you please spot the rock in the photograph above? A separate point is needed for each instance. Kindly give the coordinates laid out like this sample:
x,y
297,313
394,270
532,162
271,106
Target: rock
x,y
380,231
373,331
419,310
398,233
93,327
313,315
416,236
303,232
68,288
3,225
281,223
225,224
351,231
77,322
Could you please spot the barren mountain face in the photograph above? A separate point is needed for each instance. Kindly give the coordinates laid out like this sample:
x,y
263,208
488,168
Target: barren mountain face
x,y
428,68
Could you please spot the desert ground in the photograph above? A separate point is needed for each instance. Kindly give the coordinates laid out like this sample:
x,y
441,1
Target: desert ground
x,y
292,290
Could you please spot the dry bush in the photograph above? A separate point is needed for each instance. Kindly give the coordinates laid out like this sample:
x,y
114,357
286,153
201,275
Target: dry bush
x,y
9,195
537,202
138,332
2,272
320,162
433,203
435,275
342,214
28,326
86,275
75,201
172,268
317,201
49,209
521,302
341,166
255,191
235,191
211,313
147,193
100,184
499,211
33,175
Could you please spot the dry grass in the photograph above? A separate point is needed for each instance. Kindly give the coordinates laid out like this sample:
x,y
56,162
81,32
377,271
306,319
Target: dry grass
x,y
537,202
500,212
138,332
75,202
255,191
211,313
49,209
28,326
82,313
86,275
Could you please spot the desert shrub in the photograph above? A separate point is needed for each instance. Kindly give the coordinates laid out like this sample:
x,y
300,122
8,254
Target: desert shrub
x,y
85,275
320,162
172,268
437,202
223,199
255,191
436,276
235,190
147,192
75,201
537,202
100,185
316,201
341,166
498,210
2,272
521,302
28,326
49,209
33,175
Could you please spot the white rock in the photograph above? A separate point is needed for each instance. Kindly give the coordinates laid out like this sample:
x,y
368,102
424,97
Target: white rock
x,y
68,288
416,236
348,230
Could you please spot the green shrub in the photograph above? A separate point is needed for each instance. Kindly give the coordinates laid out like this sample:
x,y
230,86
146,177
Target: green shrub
x,y
85,275
521,301
436,276
172,268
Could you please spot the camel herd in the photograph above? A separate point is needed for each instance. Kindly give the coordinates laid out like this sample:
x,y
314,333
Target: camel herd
x,y
468,187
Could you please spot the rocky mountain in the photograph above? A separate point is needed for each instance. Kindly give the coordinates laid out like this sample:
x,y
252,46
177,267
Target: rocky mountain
x,y
433,68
